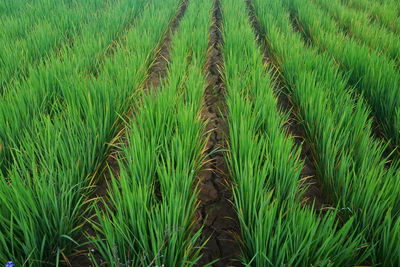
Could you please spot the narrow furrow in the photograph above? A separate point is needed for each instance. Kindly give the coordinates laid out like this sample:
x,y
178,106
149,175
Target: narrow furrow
x,y
216,212
110,167
311,183
158,70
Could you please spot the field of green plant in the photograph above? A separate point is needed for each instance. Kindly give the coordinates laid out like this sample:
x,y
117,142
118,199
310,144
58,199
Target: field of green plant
x,y
112,137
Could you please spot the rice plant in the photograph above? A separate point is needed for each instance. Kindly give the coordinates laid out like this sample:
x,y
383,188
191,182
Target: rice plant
x,y
73,77
27,40
53,170
45,91
372,74
385,12
149,217
364,29
349,161
265,166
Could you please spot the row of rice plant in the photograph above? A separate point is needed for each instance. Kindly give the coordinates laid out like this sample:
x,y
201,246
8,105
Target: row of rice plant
x,y
349,161
372,74
265,166
43,196
149,216
50,83
47,35
385,12
363,28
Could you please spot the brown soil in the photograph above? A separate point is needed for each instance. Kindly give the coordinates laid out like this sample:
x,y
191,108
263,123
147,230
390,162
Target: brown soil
x,y
157,73
294,125
216,211
297,27
158,70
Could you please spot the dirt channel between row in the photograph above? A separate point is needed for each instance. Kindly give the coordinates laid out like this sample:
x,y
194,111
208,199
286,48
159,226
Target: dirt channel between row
x,y
216,212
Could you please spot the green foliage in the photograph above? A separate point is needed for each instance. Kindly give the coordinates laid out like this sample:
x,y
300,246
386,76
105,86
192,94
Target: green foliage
x,y
386,12
149,217
349,161
363,29
44,92
67,80
373,75
44,193
33,38
264,164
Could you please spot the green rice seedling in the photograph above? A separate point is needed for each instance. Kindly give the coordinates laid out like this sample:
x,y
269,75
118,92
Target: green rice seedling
x,y
54,167
140,226
385,12
372,74
50,81
15,8
19,27
21,7
15,28
286,234
42,207
360,26
265,166
349,161
47,35
149,215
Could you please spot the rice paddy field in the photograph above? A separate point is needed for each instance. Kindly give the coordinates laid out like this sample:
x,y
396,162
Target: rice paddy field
x,y
163,133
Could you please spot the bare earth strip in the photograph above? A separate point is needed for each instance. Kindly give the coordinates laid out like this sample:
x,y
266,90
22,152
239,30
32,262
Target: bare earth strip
x,y
216,211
